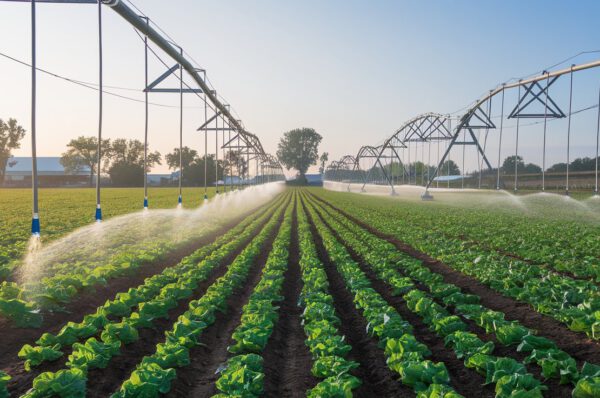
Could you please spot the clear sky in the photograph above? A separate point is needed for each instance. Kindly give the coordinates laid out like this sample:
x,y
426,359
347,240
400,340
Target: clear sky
x,y
353,70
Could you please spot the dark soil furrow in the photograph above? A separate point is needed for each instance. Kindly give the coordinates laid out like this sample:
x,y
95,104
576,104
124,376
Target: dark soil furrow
x,y
287,359
464,380
579,346
377,378
199,377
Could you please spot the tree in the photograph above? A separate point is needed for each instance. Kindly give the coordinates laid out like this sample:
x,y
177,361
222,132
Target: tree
x,y
508,166
127,162
188,157
195,173
298,149
10,136
82,153
449,165
323,159
235,160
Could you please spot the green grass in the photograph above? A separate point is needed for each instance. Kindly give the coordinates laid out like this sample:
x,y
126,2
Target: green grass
x,y
63,210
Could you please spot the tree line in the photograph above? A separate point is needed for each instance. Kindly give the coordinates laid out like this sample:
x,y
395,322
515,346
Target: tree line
x,y
123,159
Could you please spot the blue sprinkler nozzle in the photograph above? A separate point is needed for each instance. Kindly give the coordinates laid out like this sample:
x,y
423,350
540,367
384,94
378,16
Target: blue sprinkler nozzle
x,y
205,197
145,203
180,200
35,225
98,214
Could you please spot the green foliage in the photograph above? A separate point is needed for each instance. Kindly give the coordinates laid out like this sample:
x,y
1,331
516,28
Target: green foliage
x,y
243,376
298,149
147,380
335,387
11,135
35,355
64,383
4,379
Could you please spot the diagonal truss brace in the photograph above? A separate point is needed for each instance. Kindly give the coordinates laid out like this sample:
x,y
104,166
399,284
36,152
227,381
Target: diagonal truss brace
x,y
534,90
152,86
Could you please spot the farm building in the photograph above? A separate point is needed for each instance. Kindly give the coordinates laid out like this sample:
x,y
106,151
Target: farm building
x,y
50,171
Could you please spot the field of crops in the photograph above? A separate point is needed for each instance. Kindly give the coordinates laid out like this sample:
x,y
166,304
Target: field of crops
x,y
66,209
313,293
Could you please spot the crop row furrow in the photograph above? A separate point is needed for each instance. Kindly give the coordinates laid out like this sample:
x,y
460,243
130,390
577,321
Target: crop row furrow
x,y
405,354
243,374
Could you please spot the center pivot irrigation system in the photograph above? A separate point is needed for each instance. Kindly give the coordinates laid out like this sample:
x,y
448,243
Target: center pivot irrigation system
x,y
390,163
244,146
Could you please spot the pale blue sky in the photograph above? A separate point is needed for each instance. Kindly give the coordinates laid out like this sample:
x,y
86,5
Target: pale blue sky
x,y
353,70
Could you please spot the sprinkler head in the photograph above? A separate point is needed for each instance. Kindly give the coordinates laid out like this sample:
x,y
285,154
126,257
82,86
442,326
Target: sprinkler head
x,y
427,196
205,197
179,200
567,193
35,226
98,214
145,203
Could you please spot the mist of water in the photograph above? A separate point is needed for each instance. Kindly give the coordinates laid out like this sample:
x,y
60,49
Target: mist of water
x,y
541,204
98,243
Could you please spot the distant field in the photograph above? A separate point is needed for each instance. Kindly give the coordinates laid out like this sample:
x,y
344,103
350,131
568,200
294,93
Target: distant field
x,y
63,210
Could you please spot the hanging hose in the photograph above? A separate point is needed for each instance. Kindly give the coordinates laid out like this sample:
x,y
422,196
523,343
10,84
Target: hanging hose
x,y
500,139
487,130
463,173
217,155
146,117
180,198
517,149
597,143
35,219
100,89
569,129
437,182
545,129
205,146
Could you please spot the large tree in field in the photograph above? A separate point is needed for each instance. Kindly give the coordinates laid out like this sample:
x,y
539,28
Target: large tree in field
x,y
299,149
11,135
82,152
127,162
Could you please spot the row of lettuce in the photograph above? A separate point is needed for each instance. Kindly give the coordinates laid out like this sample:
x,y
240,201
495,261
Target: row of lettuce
x,y
406,275
549,232
576,303
118,321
